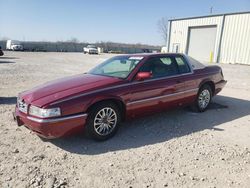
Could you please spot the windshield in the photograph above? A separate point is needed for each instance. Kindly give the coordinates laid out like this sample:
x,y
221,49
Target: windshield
x,y
15,42
91,46
120,66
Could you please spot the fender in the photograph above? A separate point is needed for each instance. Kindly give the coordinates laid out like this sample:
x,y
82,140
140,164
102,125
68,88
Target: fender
x,y
103,98
204,81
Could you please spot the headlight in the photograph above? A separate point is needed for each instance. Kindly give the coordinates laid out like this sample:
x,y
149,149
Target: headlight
x,y
44,113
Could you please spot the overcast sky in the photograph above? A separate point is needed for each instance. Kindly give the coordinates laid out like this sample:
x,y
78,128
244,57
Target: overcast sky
x,y
128,21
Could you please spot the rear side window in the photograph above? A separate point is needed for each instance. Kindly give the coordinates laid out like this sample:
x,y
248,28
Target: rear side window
x,y
182,65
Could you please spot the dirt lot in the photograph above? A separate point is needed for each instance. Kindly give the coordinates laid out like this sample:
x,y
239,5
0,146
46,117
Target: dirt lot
x,y
172,149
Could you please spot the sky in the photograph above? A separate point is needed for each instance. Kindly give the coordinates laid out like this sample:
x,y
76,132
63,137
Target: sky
x,y
126,21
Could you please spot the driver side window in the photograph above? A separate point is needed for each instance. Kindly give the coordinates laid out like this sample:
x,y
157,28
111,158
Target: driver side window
x,y
160,67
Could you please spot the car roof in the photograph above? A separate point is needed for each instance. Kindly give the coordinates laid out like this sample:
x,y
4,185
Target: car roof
x,y
151,54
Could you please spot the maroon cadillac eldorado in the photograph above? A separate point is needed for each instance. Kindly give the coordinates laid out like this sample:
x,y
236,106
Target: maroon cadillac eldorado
x,y
122,87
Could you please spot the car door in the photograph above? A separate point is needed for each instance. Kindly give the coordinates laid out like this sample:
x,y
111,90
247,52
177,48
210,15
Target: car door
x,y
187,77
158,92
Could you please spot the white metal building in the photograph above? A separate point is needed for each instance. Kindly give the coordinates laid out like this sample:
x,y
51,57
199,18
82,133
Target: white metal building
x,y
222,38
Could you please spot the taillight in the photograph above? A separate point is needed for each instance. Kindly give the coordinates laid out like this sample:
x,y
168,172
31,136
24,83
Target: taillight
x,y
221,74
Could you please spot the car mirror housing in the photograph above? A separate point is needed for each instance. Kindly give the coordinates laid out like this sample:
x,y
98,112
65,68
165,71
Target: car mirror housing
x,y
143,76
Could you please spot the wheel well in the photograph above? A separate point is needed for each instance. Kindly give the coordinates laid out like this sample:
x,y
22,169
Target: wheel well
x,y
121,106
211,84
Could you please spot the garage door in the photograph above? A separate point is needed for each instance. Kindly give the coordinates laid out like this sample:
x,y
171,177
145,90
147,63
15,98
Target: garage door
x,y
201,42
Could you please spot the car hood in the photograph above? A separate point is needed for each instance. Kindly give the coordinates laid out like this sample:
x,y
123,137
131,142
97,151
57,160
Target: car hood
x,y
61,88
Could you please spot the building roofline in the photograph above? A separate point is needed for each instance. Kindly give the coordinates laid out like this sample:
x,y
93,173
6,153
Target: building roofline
x,y
212,15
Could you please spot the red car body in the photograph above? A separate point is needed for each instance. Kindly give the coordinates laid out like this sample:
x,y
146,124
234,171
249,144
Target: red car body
x,y
76,94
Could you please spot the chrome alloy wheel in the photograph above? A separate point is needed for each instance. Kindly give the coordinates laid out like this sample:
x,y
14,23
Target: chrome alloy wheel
x,y
204,98
105,121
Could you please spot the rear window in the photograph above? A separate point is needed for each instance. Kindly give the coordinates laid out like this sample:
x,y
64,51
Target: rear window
x,y
195,64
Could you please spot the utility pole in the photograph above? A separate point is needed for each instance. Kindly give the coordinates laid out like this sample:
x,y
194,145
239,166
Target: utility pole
x,y
211,10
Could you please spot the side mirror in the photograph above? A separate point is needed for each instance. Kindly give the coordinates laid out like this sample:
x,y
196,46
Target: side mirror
x,y
143,76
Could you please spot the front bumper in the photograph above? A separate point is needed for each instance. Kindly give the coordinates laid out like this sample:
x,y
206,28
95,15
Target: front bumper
x,y
53,127
93,52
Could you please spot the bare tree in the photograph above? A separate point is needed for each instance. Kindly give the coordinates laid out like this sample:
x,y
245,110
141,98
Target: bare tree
x,y
73,40
5,38
163,28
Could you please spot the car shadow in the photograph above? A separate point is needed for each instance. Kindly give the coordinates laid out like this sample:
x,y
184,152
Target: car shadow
x,y
6,62
9,58
160,127
8,100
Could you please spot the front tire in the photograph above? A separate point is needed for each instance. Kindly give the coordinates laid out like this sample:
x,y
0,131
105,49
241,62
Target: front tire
x,y
103,121
203,98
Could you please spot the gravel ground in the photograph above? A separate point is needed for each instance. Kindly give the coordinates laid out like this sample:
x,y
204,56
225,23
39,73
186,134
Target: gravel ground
x,y
172,149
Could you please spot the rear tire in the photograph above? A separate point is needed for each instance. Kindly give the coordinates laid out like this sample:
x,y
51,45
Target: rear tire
x,y
103,121
203,99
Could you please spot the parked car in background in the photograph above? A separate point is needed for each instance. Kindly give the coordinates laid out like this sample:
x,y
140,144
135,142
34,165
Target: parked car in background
x,y
164,49
1,51
38,49
90,49
14,45
122,87
115,52
146,50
